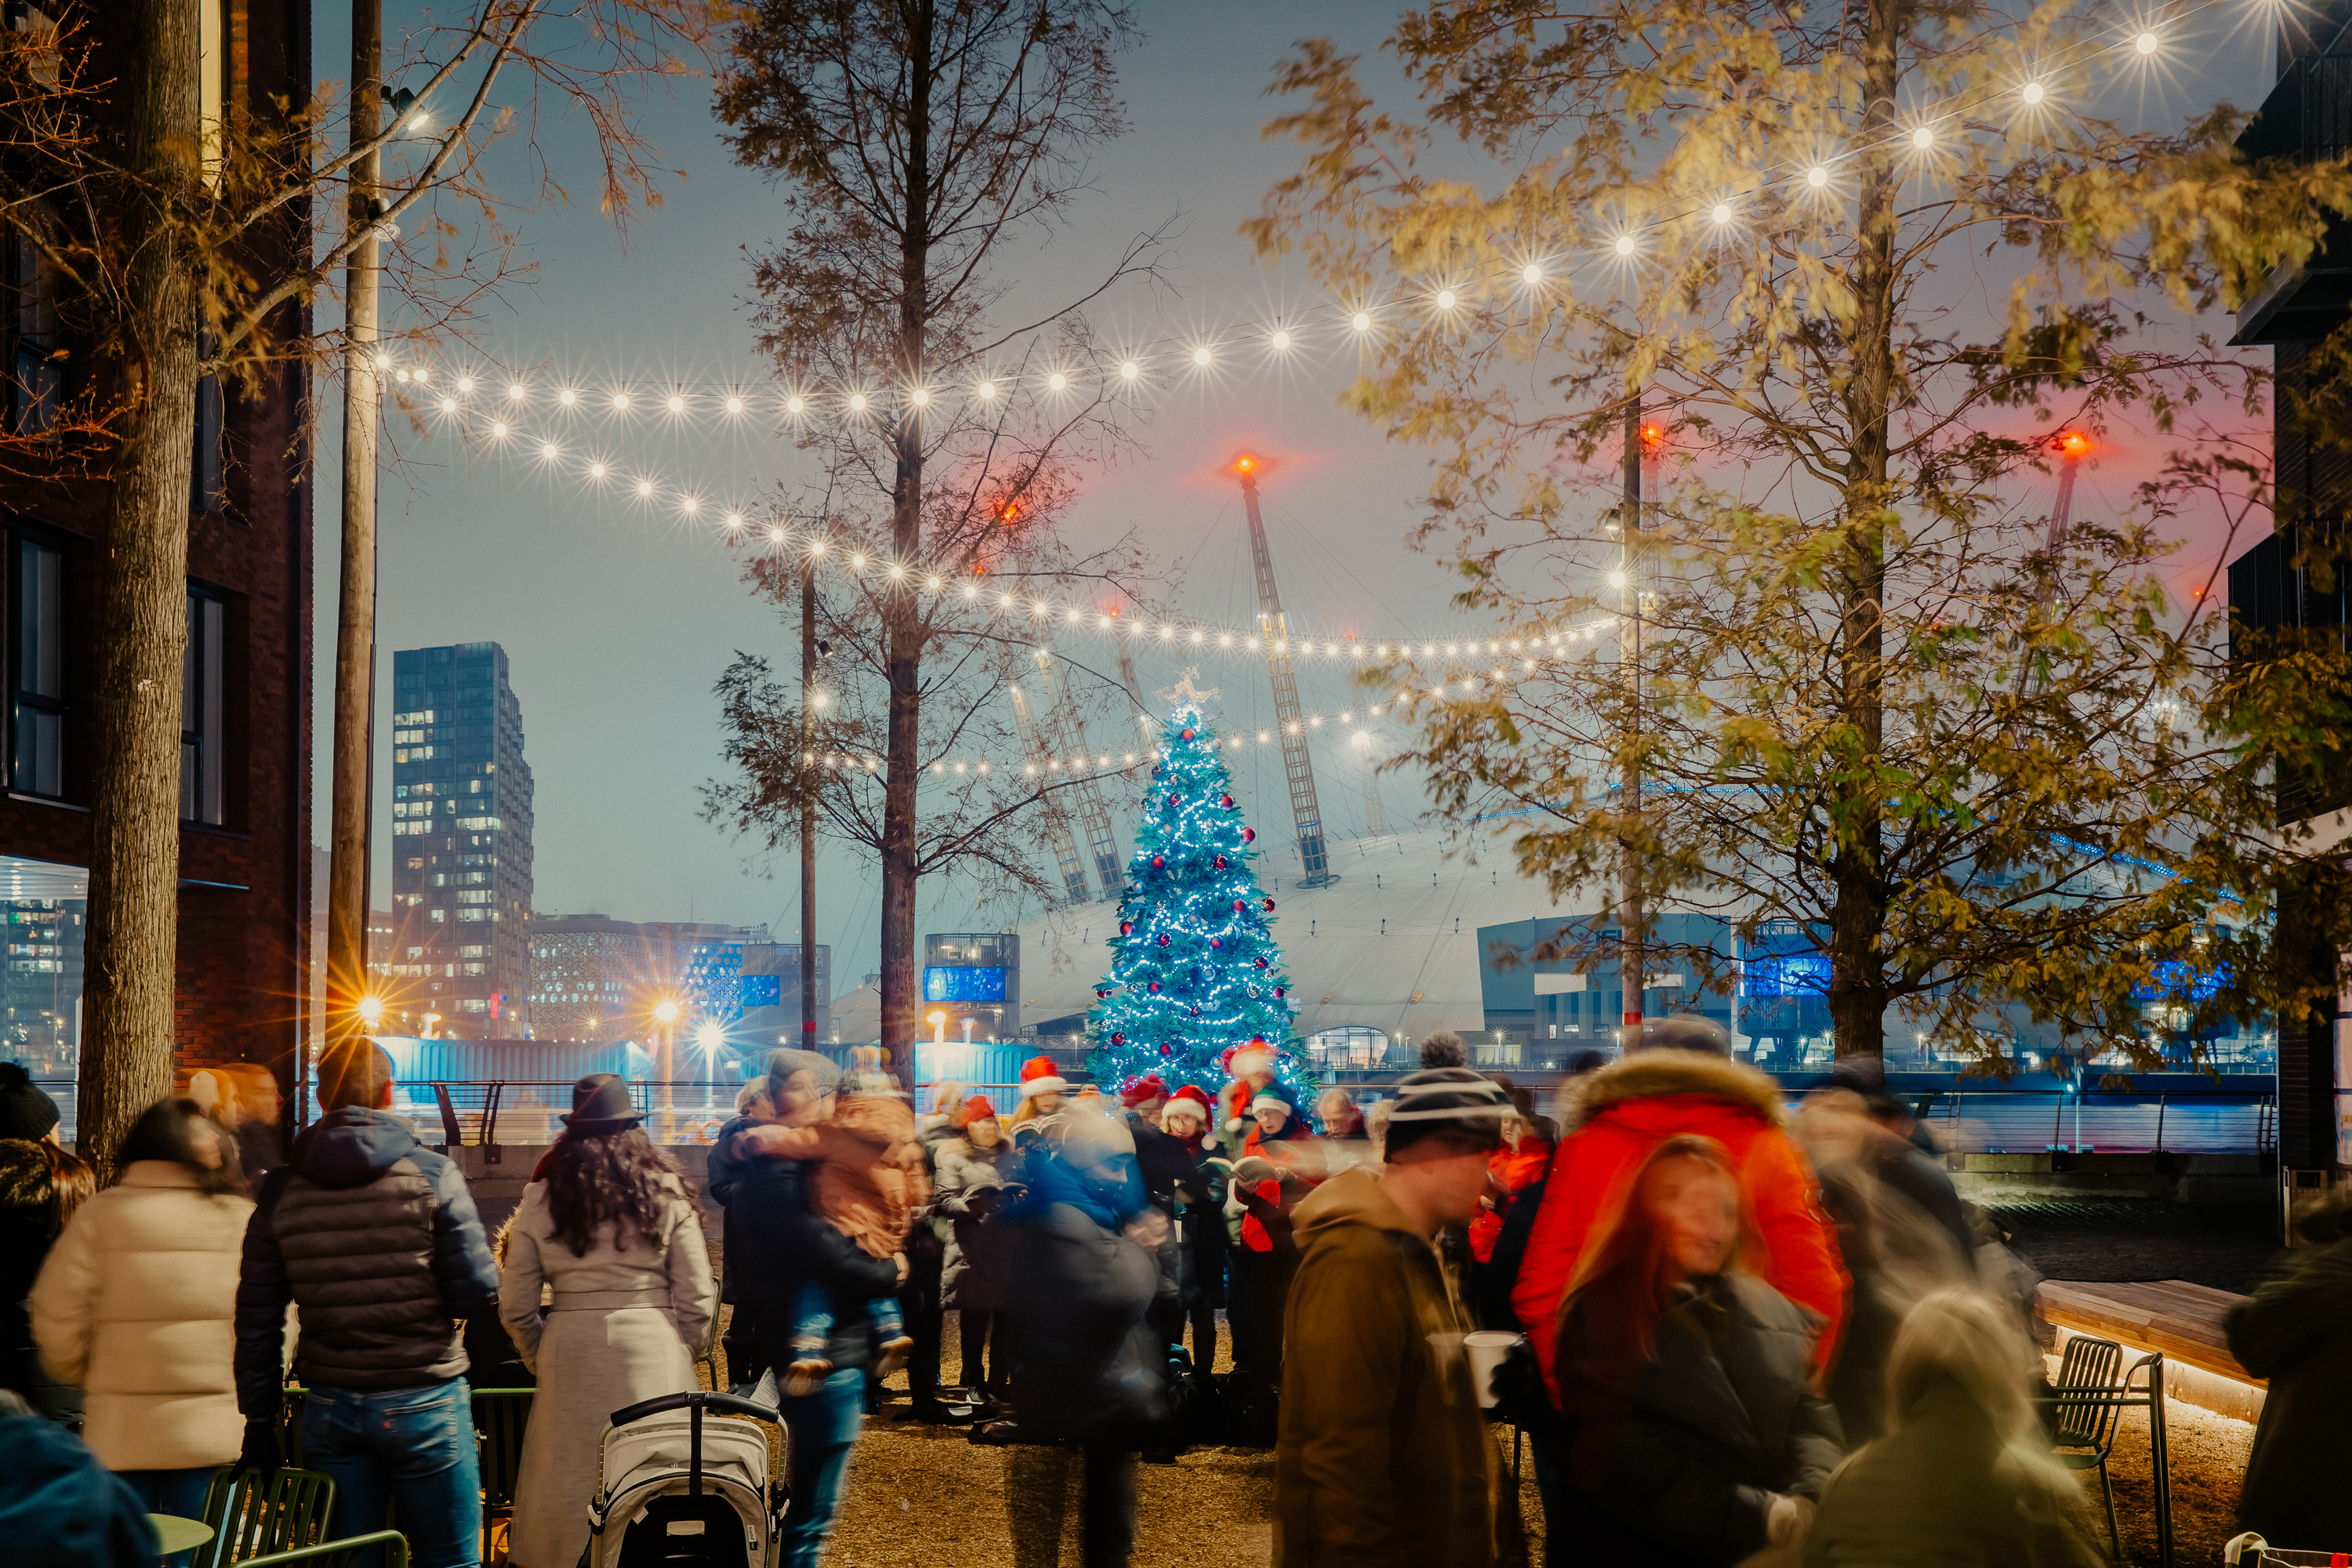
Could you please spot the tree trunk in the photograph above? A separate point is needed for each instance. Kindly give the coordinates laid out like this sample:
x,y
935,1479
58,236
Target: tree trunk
x,y
126,1056
1858,992
900,980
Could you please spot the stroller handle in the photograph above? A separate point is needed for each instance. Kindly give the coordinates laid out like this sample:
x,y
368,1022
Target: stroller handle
x,y
700,1399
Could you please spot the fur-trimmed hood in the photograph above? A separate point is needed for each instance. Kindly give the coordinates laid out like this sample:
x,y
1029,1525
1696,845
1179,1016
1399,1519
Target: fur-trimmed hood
x,y
1647,1074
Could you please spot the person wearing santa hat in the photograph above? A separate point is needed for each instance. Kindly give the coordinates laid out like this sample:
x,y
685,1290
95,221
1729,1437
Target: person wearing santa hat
x,y
1166,1165
1044,1092
1200,1224
979,1175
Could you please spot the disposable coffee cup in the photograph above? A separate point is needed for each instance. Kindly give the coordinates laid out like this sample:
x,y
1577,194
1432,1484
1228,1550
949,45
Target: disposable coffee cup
x,y
1488,1349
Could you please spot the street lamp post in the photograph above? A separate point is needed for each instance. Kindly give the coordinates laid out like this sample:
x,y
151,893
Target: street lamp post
x,y
666,1016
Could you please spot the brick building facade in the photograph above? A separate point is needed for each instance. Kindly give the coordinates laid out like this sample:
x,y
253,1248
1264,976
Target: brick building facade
x,y
245,858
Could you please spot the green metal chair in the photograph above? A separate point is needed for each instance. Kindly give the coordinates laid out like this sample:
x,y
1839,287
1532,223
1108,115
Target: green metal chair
x,y
336,1554
501,1416
259,1515
2083,1408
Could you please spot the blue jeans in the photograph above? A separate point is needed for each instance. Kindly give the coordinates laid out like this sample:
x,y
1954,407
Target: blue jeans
x,y
813,1316
410,1449
178,1492
824,1427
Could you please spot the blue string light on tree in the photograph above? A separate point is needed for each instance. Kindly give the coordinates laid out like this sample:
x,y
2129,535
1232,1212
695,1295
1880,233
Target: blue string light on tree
x,y
1194,967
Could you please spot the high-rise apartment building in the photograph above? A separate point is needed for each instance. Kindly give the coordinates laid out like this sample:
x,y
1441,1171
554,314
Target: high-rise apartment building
x,y
461,826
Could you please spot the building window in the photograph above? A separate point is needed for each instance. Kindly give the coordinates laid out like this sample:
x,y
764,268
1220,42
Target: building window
x,y
204,709
38,765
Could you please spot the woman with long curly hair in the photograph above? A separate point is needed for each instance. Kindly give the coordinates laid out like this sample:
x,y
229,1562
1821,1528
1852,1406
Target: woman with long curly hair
x,y
1685,1389
607,1230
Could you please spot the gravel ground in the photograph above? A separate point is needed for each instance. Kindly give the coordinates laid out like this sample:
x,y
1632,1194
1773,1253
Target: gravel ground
x,y
2209,1459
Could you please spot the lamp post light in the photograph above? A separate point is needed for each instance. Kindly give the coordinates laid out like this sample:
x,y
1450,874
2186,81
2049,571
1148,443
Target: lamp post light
x,y
712,1038
666,1016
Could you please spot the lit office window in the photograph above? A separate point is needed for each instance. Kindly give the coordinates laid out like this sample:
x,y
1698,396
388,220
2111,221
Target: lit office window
x,y
38,763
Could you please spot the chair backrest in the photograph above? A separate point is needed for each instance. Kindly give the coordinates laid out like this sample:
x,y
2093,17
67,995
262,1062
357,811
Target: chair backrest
x,y
2088,1368
500,1418
268,1514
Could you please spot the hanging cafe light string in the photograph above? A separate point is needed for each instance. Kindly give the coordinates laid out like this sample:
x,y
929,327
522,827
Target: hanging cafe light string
x,y
493,406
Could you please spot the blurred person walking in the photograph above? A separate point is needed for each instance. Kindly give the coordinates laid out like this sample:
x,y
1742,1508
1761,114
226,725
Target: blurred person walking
x,y
1088,1370
607,1228
1383,1457
376,1239
256,1109
1963,1478
137,1302
1694,1434
790,1252
2297,1331
1165,1166
42,1183
723,1171
1268,1180
978,1176
1681,1081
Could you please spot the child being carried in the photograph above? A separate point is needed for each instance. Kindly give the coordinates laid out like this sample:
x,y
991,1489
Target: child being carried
x,y
868,1182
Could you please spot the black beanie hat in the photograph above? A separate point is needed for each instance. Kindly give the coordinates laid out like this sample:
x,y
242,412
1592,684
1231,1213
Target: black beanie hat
x,y
25,1112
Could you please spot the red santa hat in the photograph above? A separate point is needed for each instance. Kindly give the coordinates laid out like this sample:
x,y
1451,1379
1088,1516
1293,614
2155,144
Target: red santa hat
x,y
1040,1076
977,1109
1140,1090
1189,1101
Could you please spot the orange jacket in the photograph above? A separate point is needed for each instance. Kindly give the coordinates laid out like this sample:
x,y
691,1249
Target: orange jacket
x,y
1631,1107
1284,1151
1514,1170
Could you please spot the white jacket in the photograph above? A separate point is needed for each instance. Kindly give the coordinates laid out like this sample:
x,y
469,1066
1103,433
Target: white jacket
x,y
138,1304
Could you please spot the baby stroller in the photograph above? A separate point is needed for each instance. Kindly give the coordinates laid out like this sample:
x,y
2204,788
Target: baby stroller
x,y
674,1491
2251,1550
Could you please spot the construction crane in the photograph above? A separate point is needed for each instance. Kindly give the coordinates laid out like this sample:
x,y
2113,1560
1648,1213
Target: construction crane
x,y
1275,631
2071,446
1069,735
1057,826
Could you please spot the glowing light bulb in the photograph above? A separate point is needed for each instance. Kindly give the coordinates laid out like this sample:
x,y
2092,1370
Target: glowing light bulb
x,y
595,470
987,390
497,429
676,403
1129,371
931,583
1361,321
2034,92
796,404
921,397
2147,43
1722,213
401,376
620,400
1201,355
1281,341
1531,275
857,403
1624,245
382,361
734,405
549,450
1058,382
448,406
1817,176
734,519
688,504
1446,300
775,536
421,375
515,392
857,562
465,384
1616,579
1922,138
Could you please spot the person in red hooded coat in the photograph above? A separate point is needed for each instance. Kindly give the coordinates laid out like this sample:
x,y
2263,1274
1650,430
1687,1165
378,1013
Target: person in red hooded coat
x,y
1682,1082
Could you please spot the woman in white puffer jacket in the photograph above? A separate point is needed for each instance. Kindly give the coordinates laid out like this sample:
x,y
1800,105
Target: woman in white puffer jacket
x,y
137,1304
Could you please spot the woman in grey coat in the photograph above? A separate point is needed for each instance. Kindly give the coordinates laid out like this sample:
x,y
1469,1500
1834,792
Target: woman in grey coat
x,y
973,1175
607,1227
2297,1331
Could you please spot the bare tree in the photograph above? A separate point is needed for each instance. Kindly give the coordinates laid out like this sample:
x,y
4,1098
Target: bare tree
x,y
182,248
913,140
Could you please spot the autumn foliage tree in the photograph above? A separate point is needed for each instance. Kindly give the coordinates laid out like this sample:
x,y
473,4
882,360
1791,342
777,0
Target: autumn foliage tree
x,y
1857,265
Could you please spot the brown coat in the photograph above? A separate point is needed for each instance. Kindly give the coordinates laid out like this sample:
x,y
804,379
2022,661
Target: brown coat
x,y
869,1177
1383,1458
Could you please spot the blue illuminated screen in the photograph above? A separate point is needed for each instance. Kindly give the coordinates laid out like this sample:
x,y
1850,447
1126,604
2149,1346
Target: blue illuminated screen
x,y
943,983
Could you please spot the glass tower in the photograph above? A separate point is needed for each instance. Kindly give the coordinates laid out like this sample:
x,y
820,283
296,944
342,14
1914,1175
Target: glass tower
x,y
461,828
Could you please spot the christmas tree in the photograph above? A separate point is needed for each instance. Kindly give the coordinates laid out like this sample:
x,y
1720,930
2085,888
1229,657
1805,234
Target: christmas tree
x,y
1195,970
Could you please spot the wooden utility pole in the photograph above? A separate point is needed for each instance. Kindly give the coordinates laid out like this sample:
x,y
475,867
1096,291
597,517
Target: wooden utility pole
x,y
352,767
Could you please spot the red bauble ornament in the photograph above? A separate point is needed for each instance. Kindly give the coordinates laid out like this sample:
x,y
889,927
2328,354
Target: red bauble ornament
x,y
1155,988
1270,904
1240,906
1171,803
1249,834
1196,1012
1221,862
1225,800
1163,939
1167,1050
1118,1039
1261,963
1158,863
1126,926
1278,991
1258,1040
1215,943
1188,734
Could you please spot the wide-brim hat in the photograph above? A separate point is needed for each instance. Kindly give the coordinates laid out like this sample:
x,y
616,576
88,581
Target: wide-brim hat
x,y
601,1103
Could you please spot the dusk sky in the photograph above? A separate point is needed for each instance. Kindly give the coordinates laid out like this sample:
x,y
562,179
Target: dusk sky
x,y
618,619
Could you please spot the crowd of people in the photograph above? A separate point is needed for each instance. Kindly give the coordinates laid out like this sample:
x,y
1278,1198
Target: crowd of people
x,y
1731,1333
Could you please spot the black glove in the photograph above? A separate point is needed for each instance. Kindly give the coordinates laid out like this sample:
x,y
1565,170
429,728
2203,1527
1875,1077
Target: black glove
x,y
260,1451
1517,1385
